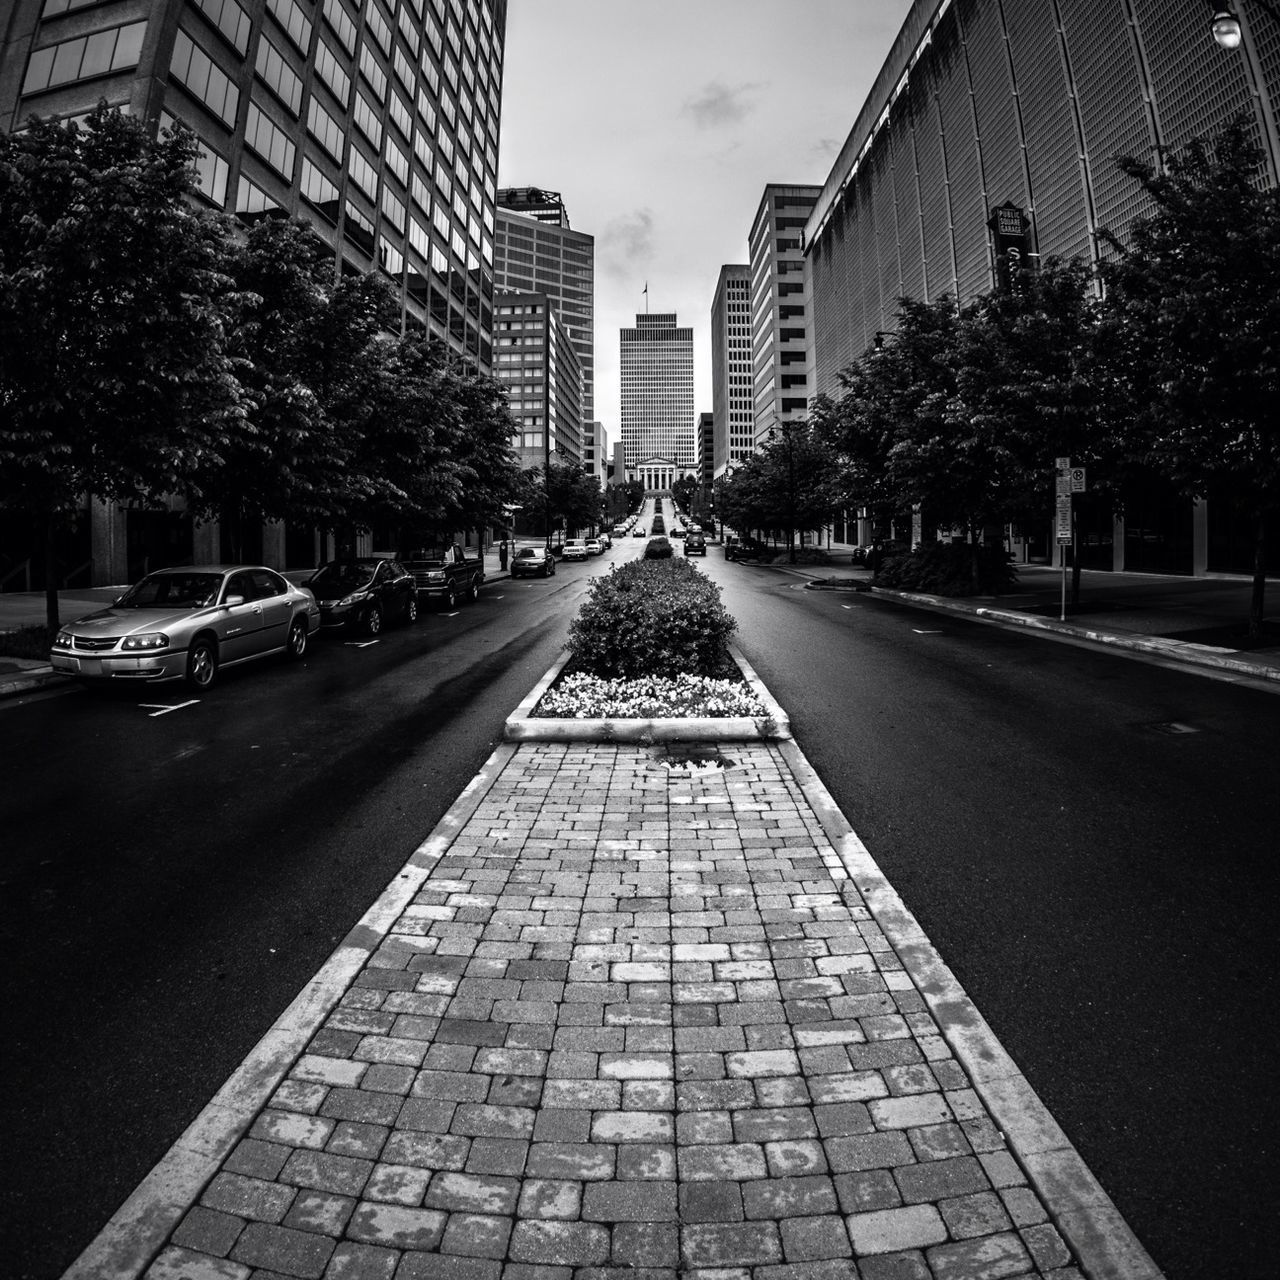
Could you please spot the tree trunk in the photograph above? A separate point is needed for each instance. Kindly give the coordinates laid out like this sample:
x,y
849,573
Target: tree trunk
x,y
51,616
1257,598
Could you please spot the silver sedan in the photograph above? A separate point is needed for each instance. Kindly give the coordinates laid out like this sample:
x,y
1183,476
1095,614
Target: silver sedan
x,y
187,624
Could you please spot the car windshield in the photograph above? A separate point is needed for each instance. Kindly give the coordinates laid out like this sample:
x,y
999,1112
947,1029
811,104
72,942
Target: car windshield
x,y
528,554
173,590
341,577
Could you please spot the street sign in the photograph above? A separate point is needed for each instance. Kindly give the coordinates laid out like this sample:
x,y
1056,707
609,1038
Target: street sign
x,y
1063,522
1062,485
1077,479
1063,464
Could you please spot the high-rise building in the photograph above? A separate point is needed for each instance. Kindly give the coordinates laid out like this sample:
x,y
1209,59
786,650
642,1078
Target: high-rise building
x,y
779,328
539,367
993,127
657,392
377,122
706,450
536,250
731,396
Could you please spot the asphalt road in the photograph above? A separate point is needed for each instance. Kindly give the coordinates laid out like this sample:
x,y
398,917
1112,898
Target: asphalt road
x,y
1104,888
1090,842
170,879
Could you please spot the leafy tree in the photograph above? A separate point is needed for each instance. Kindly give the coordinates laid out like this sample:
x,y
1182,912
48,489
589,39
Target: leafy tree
x,y
573,496
1193,319
114,380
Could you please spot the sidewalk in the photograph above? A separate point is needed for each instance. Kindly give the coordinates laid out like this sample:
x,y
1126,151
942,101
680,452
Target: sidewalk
x,y
615,1019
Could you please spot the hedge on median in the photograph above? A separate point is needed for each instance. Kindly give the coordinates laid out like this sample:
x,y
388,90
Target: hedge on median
x,y
652,618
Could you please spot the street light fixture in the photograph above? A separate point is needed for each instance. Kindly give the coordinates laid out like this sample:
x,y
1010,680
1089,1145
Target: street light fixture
x,y
1225,25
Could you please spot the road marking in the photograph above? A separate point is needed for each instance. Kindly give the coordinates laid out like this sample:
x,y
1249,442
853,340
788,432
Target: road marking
x,y
163,708
359,644
454,614
925,633
846,606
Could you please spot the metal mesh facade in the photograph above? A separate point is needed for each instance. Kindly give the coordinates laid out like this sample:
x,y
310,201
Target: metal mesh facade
x,y
983,102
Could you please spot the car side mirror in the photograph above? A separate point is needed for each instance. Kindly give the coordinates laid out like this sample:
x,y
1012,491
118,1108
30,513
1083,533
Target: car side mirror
x,y
233,600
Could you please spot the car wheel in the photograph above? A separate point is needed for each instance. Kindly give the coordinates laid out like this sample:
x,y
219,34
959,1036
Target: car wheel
x,y
296,646
411,608
373,621
202,664
450,597
473,591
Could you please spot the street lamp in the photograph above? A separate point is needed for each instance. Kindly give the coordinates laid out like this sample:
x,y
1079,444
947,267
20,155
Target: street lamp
x,y
1225,25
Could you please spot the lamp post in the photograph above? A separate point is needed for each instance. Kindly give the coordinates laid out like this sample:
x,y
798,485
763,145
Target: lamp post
x,y
1232,33
1225,24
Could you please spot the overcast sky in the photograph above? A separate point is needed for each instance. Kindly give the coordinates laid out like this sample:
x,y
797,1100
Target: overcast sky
x,y
661,121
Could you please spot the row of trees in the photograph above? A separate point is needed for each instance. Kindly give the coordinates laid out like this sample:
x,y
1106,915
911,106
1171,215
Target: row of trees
x,y
150,348
1164,361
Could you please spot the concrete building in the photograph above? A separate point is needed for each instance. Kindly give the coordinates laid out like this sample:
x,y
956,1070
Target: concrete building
x,y
378,123
779,324
657,394
595,452
731,395
535,250
706,460
993,127
538,365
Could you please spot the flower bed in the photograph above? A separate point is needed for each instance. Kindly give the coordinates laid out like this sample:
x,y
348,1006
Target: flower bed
x,y
580,696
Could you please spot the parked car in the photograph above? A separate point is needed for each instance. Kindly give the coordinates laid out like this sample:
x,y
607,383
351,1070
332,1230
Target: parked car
x,y
678,531
595,547
695,544
575,549
188,624
445,573
364,593
736,548
532,562
638,532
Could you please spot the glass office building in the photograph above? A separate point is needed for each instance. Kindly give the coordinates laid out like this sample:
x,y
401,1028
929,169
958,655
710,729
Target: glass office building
x,y
984,106
657,392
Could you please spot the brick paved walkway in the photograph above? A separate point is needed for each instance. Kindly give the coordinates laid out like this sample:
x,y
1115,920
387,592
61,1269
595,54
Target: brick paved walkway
x,y
636,1023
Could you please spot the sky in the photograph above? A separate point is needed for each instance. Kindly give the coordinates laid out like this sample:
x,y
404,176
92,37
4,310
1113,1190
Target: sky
x,y
660,122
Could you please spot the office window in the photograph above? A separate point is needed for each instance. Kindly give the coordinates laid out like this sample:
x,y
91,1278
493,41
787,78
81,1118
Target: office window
x,y
393,210
400,115
230,19
84,57
278,75
365,116
318,190
409,30
358,229
421,194
341,23
325,129
194,69
263,135
363,174
372,72
211,169
296,24
251,198
390,259
426,110
404,70
419,238
397,161
331,71
378,27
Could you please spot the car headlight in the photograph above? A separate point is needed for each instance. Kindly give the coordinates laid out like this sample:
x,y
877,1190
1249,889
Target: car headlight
x,y
354,598
64,640
147,640
436,575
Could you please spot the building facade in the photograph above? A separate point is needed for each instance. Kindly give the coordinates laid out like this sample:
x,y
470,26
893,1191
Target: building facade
x,y
657,390
535,249
378,123
731,394
706,461
779,323
595,452
990,119
539,367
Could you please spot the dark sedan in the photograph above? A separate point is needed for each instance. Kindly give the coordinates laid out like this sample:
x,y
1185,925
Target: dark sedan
x,y
533,562
364,593
695,545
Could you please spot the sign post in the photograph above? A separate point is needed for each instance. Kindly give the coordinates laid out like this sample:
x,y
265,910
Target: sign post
x,y
1062,524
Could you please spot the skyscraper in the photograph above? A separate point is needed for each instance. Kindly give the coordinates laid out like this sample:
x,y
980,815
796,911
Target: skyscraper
x,y
378,123
778,321
731,397
657,391
535,250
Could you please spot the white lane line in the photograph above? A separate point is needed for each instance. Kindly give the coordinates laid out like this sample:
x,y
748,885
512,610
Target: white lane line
x,y
163,708
359,644
925,633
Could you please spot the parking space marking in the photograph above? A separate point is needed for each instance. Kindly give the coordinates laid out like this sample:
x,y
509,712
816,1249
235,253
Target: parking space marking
x,y
359,644
925,633
163,708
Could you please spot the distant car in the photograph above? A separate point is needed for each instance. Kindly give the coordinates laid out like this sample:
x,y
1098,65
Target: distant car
x,y
606,540
188,624
575,549
742,548
532,562
595,547
637,533
364,593
695,545
678,532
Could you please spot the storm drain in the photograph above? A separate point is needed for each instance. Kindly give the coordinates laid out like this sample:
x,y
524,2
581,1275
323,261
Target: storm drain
x,y
690,758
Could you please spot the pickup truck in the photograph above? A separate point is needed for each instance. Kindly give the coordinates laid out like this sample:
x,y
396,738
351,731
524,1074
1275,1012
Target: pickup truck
x,y
444,573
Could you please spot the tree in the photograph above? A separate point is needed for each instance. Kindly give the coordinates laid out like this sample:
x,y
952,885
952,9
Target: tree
x,y
1193,313
572,496
114,380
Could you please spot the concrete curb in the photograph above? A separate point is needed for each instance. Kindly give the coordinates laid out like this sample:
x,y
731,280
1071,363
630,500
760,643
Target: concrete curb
x,y
523,726
1080,1208
29,681
126,1246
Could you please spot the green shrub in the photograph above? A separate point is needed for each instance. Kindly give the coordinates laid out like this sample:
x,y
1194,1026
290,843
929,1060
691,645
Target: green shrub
x,y
948,569
27,642
658,549
652,617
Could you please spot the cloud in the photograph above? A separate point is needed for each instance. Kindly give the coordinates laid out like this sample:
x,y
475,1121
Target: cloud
x,y
721,104
627,243
826,148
